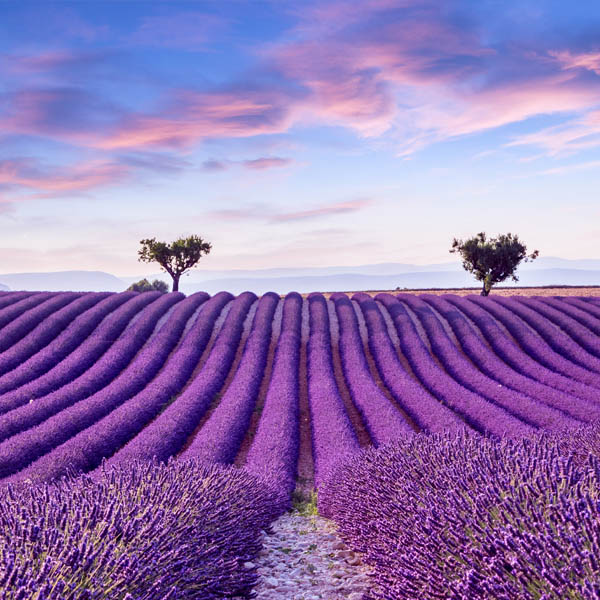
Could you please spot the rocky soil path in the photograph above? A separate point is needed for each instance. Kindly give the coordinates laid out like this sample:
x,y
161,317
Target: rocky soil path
x,y
304,559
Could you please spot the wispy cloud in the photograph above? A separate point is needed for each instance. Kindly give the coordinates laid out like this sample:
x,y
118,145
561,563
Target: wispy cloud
x,y
267,213
578,60
55,60
255,164
564,169
29,174
572,136
338,208
192,117
413,71
260,164
246,213
214,165
63,113
155,162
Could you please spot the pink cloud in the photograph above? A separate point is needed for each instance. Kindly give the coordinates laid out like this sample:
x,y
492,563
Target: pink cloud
x,y
365,67
51,60
348,206
419,77
574,135
592,164
266,163
195,116
574,60
263,212
404,69
257,164
26,173
512,102
240,214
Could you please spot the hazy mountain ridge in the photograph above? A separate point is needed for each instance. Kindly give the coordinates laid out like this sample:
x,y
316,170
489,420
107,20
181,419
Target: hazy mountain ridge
x,y
59,281
544,271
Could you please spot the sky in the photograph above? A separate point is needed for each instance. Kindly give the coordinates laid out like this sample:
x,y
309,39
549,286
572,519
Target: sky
x,y
287,134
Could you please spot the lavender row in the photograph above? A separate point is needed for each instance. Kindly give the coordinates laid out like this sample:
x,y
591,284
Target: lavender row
x,y
25,328
220,437
535,355
9,298
276,444
581,311
86,450
26,409
468,517
524,380
333,437
382,419
148,531
115,313
571,326
22,449
60,333
566,349
25,302
587,307
478,412
423,408
524,407
165,436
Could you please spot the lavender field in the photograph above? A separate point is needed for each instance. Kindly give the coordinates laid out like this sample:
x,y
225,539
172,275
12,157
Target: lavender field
x,y
298,393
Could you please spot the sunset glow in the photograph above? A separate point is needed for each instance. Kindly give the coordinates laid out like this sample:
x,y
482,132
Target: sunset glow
x,y
296,134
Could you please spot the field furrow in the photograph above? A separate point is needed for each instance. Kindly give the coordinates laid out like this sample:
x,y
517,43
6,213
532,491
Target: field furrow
x,y
284,388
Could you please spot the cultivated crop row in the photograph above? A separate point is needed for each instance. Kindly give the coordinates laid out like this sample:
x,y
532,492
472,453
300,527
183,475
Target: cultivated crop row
x,y
334,389
88,377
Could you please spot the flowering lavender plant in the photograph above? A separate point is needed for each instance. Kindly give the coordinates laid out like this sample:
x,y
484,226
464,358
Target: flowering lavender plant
x,y
471,517
149,531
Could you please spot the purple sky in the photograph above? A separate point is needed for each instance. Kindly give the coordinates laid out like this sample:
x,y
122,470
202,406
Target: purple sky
x,y
296,133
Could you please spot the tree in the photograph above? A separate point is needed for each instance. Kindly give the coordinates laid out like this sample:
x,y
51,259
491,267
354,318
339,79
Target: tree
x,y
143,285
175,258
492,260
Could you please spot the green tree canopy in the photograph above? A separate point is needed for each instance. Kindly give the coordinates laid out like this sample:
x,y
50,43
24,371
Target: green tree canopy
x,y
143,285
175,258
492,260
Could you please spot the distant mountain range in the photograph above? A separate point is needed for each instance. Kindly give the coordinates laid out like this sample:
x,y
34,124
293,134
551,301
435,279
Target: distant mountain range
x,y
59,281
385,276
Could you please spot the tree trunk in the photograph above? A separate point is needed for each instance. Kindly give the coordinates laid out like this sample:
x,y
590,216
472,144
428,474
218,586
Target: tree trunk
x,y
486,290
175,283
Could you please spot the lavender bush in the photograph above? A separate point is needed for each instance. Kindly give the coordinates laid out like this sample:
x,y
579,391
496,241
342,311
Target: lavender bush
x,y
471,517
479,413
533,358
333,437
517,371
220,437
559,315
464,372
148,531
79,332
20,329
275,446
424,408
382,419
50,329
73,438
555,356
25,301
576,309
59,388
